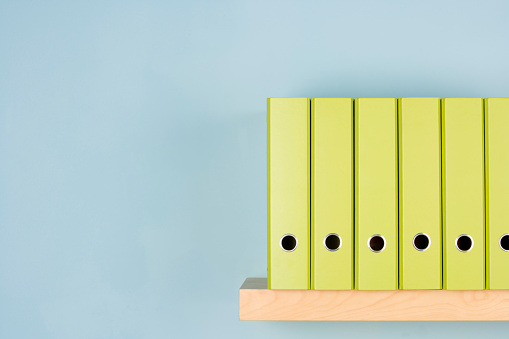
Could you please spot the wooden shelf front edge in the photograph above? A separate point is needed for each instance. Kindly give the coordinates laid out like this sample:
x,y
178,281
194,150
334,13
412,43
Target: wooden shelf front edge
x,y
256,302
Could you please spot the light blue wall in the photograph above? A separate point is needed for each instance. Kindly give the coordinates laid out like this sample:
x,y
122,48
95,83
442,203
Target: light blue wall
x,y
133,149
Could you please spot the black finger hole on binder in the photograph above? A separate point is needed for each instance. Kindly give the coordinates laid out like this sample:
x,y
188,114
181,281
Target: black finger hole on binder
x,y
421,242
504,242
288,242
376,243
464,243
332,242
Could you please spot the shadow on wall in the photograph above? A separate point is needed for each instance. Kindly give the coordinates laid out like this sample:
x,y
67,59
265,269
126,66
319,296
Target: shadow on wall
x,y
389,84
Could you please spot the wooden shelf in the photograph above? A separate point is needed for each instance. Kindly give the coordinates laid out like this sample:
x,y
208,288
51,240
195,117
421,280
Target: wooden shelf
x,y
256,302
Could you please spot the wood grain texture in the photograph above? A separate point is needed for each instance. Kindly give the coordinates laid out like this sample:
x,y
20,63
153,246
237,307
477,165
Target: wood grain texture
x,y
258,303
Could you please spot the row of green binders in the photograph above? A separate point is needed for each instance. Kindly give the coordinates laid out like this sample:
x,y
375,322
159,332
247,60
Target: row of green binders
x,y
385,194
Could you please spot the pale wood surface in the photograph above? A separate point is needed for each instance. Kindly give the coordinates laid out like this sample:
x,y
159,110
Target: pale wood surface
x,y
258,303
